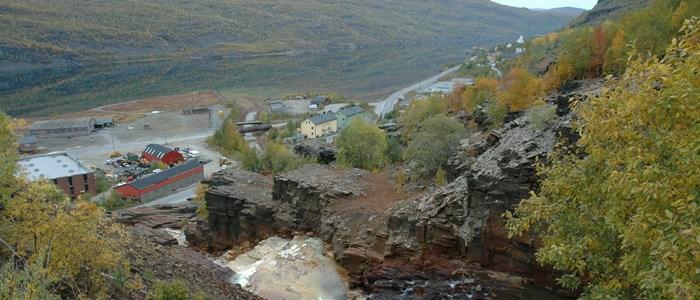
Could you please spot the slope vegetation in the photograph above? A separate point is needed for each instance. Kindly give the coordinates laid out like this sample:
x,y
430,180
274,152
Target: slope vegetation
x,y
34,29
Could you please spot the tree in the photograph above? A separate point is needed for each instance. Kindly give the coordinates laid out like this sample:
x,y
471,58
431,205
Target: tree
x,y
420,111
520,90
615,58
71,247
362,145
8,157
623,221
600,48
433,144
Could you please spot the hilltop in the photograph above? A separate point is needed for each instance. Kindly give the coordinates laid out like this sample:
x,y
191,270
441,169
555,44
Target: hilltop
x,y
608,10
107,30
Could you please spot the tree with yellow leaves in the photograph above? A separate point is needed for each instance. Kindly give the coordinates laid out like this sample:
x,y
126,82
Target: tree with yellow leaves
x,y
623,222
71,247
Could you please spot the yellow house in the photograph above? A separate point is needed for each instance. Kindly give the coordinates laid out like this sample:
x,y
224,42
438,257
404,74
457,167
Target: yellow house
x,y
319,125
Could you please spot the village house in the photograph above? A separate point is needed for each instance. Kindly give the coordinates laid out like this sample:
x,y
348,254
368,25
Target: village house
x,y
347,115
319,125
62,128
69,174
155,152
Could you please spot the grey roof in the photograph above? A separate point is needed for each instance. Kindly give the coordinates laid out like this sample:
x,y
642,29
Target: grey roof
x,y
61,123
322,118
164,175
104,121
319,100
51,166
157,150
28,139
351,111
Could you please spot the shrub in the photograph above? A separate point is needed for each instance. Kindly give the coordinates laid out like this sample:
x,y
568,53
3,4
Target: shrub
x,y
362,145
433,144
542,116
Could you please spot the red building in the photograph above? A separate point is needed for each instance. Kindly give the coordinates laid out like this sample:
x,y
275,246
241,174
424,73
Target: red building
x,y
163,183
155,152
67,172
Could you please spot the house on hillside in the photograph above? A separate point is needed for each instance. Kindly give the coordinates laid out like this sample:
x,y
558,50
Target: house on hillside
x,y
62,128
65,171
319,125
347,115
164,183
155,152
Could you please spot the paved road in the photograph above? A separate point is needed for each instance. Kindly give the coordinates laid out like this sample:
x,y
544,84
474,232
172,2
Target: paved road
x,y
382,108
493,67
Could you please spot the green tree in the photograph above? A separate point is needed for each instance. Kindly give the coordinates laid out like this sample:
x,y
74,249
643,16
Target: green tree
x,y
420,111
8,157
623,222
433,144
277,159
362,145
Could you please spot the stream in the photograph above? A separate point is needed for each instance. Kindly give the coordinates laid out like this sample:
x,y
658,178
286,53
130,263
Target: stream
x,y
279,268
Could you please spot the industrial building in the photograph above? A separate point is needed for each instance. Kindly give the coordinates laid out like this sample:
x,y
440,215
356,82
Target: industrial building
x,y
319,125
66,172
155,152
164,183
62,127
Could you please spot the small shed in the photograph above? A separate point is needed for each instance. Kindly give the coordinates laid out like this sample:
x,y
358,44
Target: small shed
x,y
321,101
156,152
104,123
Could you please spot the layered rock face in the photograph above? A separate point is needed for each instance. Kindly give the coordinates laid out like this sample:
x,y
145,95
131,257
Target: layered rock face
x,y
387,239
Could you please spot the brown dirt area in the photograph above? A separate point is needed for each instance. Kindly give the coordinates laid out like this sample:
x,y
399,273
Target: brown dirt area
x,y
127,112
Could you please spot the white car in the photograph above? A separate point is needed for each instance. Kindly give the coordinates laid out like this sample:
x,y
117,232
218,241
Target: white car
x,y
194,154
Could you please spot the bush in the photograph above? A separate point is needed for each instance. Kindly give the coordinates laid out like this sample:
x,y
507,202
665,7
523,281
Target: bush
x,y
114,202
440,177
542,116
433,144
174,290
278,159
362,145
497,114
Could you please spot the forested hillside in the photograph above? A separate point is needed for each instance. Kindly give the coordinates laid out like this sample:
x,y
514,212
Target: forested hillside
x,y
34,29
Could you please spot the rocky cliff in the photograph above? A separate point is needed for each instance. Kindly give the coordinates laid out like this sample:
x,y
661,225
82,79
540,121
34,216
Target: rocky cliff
x,y
387,239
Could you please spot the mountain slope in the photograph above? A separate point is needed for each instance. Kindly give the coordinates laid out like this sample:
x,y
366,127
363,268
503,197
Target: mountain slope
x,y
111,29
566,11
608,10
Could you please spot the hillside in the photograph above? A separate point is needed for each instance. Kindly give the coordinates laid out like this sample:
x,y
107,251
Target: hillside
x,y
607,10
566,11
105,29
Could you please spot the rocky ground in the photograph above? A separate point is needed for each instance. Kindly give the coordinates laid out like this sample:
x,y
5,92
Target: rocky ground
x,y
155,255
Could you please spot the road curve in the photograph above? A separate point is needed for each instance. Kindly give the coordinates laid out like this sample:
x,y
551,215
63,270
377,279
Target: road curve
x,y
382,108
